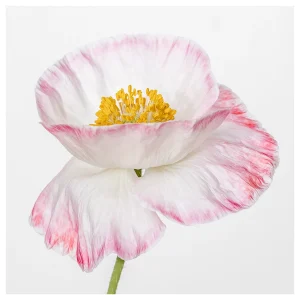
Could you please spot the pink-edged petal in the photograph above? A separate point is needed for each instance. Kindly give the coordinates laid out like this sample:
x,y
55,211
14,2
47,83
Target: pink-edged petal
x,y
227,173
68,96
137,146
70,91
88,213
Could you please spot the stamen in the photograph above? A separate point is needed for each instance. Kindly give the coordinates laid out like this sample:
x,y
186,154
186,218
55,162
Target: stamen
x,y
133,107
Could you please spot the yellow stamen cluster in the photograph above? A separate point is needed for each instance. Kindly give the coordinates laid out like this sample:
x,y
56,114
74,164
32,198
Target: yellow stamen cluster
x,y
133,107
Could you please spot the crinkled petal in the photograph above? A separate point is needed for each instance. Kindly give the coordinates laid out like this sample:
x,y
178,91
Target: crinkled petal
x,y
70,91
227,173
137,146
68,95
88,213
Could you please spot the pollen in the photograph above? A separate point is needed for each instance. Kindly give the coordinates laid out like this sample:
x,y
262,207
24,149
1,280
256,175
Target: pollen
x,y
133,107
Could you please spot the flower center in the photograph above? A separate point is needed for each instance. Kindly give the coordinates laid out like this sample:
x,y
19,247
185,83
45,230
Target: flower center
x,y
133,107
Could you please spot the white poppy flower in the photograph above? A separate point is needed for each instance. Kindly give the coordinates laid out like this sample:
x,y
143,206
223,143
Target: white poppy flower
x,y
161,110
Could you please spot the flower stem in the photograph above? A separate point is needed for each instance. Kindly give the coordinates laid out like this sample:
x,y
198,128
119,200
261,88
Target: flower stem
x,y
138,172
119,264
115,276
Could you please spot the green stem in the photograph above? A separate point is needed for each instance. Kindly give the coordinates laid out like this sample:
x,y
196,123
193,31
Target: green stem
x,y
138,172
119,264
115,276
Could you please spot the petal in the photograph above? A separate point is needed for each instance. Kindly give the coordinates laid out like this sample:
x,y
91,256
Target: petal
x,y
70,91
226,174
88,213
137,146
68,95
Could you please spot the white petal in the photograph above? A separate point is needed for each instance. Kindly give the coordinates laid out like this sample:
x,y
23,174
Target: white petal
x,y
89,212
68,96
70,91
136,146
226,174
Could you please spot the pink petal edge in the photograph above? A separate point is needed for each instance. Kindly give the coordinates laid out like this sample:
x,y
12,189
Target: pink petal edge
x,y
67,242
145,128
51,77
256,185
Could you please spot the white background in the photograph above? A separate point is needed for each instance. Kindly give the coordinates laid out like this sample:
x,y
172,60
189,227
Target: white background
x,y
249,252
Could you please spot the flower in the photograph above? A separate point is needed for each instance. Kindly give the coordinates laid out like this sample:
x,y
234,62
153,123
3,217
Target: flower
x,y
161,110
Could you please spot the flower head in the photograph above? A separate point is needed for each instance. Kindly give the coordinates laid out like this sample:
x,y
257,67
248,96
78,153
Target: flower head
x,y
160,110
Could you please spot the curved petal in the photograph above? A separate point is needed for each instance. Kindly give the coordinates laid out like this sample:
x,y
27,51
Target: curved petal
x,y
68,96
226,174
88,213
137,146
70,91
